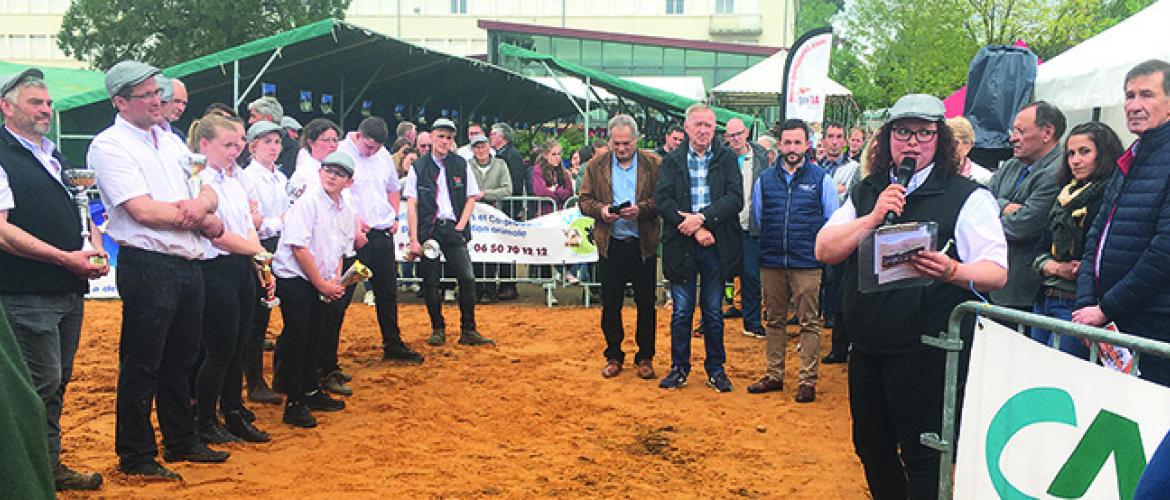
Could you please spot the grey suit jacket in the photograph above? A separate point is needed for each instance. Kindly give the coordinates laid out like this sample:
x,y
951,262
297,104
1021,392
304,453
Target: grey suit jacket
x,y
1025,227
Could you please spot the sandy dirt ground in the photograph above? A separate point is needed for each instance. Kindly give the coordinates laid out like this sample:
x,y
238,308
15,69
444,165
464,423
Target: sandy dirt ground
x,y
530,418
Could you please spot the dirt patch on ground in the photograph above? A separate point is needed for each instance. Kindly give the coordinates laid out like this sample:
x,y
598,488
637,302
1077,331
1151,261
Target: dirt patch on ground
x,y
529,418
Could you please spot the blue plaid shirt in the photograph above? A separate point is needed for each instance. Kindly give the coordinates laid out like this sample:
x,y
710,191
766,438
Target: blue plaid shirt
x,y
700,188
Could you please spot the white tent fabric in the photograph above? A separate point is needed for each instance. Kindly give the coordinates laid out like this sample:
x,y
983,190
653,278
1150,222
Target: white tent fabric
x,y
690,87
767,77
1091,75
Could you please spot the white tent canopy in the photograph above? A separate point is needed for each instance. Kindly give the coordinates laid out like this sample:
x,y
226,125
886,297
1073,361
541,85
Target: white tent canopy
x,y
690,87
766,80
1091,75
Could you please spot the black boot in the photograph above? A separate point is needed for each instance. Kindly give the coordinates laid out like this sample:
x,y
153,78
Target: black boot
x,y
237,424
211,432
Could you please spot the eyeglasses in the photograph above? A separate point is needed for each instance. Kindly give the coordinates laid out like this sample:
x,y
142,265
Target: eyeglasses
x,y
424,146
923,135
147,95
331,140
336,172
734,134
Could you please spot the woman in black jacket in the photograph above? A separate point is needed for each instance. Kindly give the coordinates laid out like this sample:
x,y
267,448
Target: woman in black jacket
x,y
1090,158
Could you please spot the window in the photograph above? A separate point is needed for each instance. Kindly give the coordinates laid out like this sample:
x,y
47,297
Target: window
x,y
674,7
568,49
724,6
458,6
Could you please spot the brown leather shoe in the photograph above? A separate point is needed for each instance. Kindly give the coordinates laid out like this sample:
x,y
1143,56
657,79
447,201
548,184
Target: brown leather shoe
x,y
646,369
612,368
766,384
806,393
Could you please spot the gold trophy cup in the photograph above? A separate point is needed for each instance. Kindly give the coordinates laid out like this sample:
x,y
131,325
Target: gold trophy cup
x,y
356,273
264,261
81,180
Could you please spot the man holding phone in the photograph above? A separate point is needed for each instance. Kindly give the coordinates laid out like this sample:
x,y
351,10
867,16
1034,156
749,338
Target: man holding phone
x,y
618,192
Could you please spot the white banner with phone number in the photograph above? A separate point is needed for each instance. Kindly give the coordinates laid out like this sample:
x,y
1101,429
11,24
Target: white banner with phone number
x,y
561,237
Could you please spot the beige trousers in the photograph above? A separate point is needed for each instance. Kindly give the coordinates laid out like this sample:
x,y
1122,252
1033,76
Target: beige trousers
x,y
802,288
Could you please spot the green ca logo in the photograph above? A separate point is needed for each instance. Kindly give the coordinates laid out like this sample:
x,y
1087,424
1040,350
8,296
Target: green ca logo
x,y
1108,434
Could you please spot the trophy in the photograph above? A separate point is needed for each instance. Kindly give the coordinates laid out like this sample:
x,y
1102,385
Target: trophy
x,y
193,164
429,249
81,180
294,192
264,261
357,272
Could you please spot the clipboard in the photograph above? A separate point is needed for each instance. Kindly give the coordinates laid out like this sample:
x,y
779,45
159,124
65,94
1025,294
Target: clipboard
x,y
883,258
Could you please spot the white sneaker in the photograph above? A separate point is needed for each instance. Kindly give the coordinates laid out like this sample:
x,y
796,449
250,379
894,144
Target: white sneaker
x,y
572,279
449,295
554,300
369,298
413,288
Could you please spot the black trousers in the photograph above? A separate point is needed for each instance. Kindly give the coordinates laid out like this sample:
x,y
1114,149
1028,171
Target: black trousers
x,y
306,321
162,321
625,264
330,339
254,344
893,400
378,255
454,249
840,345
229,305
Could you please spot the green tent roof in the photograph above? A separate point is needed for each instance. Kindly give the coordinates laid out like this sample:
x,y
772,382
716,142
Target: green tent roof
x,y
62,82
350,63
662,100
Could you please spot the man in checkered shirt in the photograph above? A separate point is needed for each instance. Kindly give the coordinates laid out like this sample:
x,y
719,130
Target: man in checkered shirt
x,y
699,196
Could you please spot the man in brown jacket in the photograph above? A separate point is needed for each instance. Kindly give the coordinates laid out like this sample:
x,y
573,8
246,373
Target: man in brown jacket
x,y
618,192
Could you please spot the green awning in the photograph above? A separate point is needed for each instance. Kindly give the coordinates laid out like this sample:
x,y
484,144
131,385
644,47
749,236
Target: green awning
x,y
62,82
350,63
662,100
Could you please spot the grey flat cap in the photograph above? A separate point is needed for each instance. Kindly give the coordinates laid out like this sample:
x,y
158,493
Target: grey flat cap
x,y
127,74
921,106
339,159
10,81
478,138
166,85
290,122
260,128
444,123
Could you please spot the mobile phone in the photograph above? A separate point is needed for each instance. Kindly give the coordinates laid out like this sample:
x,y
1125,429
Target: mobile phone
x,y
618,207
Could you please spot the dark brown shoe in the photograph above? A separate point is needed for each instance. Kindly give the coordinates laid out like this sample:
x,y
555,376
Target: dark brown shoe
x,y
806,393
766,384
612,368
646,369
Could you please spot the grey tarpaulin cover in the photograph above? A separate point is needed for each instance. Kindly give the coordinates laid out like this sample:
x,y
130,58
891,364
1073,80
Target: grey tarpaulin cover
x,y
999,81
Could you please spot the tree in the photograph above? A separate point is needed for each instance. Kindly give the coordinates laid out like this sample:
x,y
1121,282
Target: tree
x,y
890,48
167,32
813,14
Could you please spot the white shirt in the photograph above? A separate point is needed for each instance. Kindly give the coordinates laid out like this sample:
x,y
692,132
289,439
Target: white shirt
x,y
978,230
374,178
43,152
446,211
305,175
745,169
268,188
7,202
233,207
325,228
129,165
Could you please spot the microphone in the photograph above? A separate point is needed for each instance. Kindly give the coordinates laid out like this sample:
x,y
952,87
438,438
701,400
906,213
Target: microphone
x,y
902,176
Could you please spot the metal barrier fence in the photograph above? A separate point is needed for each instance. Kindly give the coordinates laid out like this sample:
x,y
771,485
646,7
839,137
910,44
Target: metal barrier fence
x,y
951,342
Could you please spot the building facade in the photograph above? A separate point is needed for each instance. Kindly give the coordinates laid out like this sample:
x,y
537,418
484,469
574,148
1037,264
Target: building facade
x,y
28,27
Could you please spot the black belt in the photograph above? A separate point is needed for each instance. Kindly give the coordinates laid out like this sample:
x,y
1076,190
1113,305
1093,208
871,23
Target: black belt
x,y
151,254
444,222
383,232
631,239
1058,293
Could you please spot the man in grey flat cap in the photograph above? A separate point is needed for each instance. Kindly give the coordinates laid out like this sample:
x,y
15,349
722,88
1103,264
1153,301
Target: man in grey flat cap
x,y
269,109
44,267
162,221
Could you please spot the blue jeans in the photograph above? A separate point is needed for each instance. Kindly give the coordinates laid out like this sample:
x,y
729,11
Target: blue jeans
x,y
710,281
749,284
1059,308
48,329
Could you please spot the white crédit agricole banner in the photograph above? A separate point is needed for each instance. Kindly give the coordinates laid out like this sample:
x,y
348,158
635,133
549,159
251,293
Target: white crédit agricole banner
x,y
1038,423
808,72
561,237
